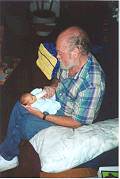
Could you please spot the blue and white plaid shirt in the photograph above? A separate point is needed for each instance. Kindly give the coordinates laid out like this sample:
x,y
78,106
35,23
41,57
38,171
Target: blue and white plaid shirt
x,y
81,95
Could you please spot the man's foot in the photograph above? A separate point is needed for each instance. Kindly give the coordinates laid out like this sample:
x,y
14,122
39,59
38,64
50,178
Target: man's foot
x,y
6,165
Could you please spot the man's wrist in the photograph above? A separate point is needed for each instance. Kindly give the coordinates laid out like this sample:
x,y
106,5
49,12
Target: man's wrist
x,y
45,114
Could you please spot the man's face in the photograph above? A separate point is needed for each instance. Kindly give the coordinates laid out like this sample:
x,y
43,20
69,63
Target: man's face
x,y
64,54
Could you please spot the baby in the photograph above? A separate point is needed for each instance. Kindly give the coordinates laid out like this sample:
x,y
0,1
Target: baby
x,y
27,99
35,100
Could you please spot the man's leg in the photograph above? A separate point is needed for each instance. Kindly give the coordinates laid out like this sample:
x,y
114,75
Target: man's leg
x,y
22,125
12,133
31,125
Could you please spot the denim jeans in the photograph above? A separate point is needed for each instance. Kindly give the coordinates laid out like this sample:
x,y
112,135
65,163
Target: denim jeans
x,y
22,125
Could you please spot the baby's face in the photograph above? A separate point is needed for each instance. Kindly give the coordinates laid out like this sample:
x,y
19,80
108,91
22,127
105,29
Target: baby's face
x,y
30,99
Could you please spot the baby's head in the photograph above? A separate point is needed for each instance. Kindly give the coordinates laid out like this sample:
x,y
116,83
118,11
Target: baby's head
x,y
27,99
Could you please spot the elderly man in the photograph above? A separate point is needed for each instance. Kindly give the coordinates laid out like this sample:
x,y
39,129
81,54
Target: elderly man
x,y
79,88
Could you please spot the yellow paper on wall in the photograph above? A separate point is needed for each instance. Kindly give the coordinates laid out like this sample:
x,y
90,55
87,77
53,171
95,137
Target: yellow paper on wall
x,y
47,62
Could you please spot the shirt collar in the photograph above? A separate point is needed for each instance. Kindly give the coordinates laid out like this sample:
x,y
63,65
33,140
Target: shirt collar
x,y
78,74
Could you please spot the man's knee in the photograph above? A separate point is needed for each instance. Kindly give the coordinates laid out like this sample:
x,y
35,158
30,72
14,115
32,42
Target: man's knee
x,y
30,125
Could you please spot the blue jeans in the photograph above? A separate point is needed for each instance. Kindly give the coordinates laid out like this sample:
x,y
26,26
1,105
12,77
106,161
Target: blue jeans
x,y
22,125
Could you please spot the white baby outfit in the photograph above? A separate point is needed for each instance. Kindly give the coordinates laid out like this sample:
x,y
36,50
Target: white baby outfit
x,y
45,105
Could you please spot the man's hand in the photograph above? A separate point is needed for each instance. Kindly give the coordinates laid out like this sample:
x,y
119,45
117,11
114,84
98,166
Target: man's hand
x,y
50,91
35,111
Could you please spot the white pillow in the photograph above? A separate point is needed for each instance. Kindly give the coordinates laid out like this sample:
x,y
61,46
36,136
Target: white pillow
x,y
62,148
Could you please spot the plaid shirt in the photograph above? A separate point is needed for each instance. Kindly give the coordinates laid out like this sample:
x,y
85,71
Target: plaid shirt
x,y
81,95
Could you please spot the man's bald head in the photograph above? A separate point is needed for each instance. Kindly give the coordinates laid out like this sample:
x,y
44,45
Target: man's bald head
x,y
75,37
74,30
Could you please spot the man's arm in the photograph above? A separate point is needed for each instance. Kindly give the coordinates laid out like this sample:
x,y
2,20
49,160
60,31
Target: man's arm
x,y
63,121
59,120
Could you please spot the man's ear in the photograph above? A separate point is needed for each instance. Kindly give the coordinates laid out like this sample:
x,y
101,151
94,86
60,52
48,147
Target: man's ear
x,y
75,52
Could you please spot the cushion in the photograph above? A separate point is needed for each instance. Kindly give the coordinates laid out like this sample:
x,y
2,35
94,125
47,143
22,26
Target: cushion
x,y
47,61
61,148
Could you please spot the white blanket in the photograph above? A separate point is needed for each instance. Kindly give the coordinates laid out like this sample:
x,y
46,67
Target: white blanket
x,y
62,148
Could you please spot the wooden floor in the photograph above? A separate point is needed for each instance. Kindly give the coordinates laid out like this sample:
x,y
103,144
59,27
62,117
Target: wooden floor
x,y
72,173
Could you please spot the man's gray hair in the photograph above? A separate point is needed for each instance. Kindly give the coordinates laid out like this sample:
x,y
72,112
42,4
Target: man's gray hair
x,y
80,41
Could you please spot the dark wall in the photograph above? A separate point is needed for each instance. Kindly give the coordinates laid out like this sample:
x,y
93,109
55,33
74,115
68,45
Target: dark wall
x,y
15,17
